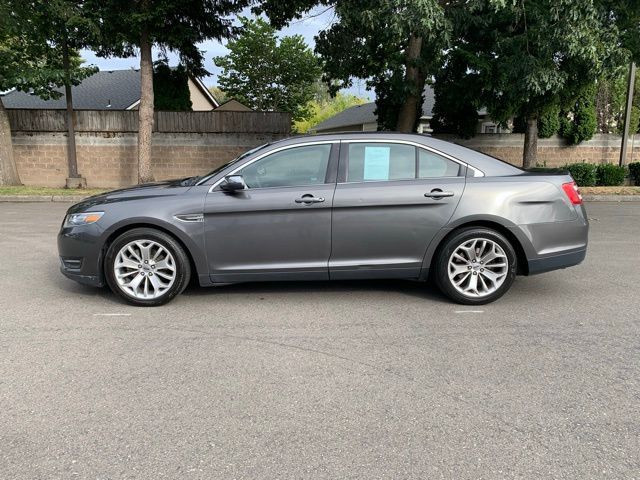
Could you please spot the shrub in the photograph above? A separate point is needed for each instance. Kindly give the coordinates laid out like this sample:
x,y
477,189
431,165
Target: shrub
x,y
549,122
634,172
583,173
609,175
581,123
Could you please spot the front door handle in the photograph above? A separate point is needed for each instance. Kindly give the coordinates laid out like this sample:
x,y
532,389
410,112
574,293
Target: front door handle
x,y
436,194
308,199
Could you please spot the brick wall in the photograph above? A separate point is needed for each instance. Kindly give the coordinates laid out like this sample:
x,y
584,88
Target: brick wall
x,y
553,152
110,159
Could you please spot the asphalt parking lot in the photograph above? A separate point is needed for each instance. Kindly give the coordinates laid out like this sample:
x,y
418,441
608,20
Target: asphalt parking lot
x,y
320,380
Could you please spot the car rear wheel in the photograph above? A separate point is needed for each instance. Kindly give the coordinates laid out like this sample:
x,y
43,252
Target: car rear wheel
x,y
146,267
475,266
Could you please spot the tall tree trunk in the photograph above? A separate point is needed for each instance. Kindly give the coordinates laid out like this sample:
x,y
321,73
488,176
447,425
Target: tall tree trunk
x,y
530,152
8,170
414,78
71,133
145,110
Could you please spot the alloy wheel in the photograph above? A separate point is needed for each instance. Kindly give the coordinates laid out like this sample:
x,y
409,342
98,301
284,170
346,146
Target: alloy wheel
x,y
144,269
478,267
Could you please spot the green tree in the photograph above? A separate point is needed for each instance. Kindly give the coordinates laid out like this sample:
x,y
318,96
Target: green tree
x,y
531,55
581,122
610,99
171,88
128,26
458,97
218,94
38,42
394,45
267,73
549,121
327,108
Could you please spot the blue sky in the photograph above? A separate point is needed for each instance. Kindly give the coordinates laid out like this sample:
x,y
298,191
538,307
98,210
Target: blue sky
x,y
309,26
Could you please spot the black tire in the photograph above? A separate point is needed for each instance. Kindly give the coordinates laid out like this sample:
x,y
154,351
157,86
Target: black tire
x,y
182,265
451,244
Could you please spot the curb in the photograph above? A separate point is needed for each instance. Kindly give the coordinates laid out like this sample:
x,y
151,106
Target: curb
x,y
611,198
41,198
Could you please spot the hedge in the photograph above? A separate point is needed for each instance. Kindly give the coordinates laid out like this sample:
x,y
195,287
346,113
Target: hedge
x,y
609,175
584,174
634,172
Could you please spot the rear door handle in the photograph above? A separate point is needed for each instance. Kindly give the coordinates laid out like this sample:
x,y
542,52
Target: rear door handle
x,y
308,199
436,194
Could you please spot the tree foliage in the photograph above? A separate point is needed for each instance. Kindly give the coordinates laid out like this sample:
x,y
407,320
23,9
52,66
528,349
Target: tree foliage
x,y
529,56
267,73
549,121
171,88
321,110
35,38
610,99
581,122
458,98
393,45
31,40
218,94
171,25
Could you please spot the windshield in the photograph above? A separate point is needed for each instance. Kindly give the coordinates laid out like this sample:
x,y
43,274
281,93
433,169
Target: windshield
x,y
212,173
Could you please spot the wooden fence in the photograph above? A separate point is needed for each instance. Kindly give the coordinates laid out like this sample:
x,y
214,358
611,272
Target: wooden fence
x,y
35,120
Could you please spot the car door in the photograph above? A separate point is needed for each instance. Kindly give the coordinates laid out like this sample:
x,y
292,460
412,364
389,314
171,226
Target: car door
x,y
391,199
279,227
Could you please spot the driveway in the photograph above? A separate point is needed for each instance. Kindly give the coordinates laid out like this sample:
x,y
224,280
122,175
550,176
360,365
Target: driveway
x,y
320,380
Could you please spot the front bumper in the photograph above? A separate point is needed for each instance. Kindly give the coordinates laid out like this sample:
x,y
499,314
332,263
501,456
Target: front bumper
x,y
91,280
80,250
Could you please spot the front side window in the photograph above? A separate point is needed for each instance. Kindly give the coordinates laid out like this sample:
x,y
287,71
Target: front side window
x,y
306,165
371,162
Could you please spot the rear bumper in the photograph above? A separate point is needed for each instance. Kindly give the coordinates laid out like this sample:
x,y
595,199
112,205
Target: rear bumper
x,y
555,262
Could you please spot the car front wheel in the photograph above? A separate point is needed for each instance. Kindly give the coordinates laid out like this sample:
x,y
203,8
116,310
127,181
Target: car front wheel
x,y
146,267
476,266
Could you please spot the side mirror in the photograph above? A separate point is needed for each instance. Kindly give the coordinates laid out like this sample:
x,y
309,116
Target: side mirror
x,y
233,183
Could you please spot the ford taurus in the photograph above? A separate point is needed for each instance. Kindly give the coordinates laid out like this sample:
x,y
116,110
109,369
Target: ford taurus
x,y
335,207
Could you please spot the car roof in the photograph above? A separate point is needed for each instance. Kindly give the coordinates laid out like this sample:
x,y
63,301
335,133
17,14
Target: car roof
x,y
489,165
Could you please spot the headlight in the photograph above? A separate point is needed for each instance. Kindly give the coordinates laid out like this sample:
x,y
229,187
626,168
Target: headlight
x,y
77,219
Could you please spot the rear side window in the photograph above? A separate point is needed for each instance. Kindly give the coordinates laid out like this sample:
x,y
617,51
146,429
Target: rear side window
x,y
432,165
374,162
295,166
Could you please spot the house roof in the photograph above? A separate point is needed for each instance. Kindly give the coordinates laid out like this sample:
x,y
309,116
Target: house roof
x,y
104,90
356,115
234,105
365,113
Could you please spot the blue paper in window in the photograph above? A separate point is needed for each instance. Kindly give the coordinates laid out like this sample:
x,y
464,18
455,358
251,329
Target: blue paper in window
x,y
376,163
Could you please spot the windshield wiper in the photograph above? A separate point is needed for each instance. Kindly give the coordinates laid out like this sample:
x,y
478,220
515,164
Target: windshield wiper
x,y
189,182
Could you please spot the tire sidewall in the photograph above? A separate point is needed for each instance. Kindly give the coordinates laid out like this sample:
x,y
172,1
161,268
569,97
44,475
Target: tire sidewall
x,y
183,270
451,244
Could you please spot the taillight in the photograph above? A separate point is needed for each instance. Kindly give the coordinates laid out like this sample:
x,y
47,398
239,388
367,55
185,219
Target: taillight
x,y
571,189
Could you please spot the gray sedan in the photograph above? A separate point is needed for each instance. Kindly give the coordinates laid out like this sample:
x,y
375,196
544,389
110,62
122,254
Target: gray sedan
x,y
344,206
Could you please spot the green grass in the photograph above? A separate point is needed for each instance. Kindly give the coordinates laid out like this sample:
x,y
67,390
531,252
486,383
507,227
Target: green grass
x,y
25,190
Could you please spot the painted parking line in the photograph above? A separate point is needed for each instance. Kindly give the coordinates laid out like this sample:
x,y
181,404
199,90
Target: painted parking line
x,y
469,311
111,314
